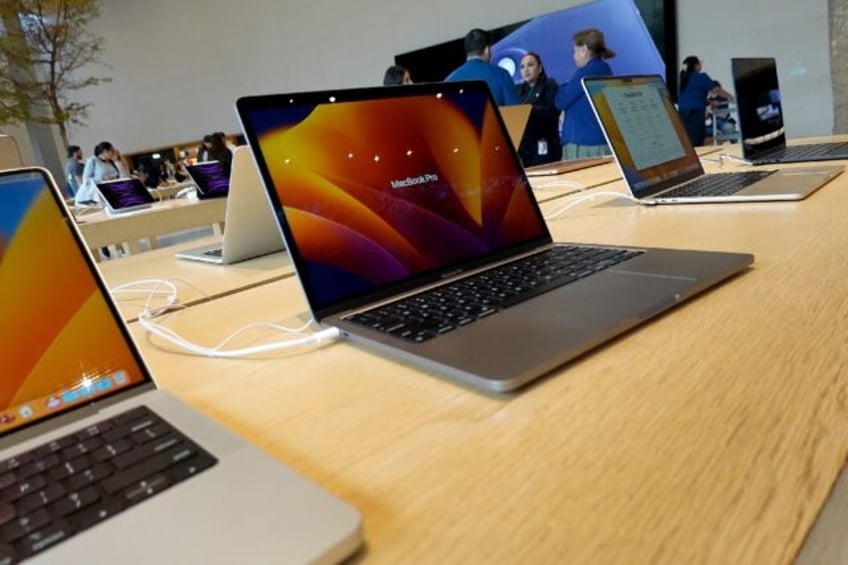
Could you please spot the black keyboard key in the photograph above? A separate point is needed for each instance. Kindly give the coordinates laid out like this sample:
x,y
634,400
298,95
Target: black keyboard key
x,y
24,525
123,479
7,513
39,499
23,488
145,451
45,538
112,449
76,501
8,554
97,512
93,475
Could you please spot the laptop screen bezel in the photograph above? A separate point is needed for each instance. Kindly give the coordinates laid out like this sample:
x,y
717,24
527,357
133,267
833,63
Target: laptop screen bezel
x,y
741,68
246,105
690,154
119,393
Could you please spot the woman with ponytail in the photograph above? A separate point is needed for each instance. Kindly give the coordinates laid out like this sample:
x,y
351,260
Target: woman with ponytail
x,y
695,89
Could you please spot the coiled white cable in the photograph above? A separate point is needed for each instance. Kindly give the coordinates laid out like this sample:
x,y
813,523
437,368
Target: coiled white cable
x,y
145,320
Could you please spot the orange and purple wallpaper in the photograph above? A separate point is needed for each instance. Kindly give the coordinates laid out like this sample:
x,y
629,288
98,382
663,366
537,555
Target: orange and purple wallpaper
x,y
378,191
62,345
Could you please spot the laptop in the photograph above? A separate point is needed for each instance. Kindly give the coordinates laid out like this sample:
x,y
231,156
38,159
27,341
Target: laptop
x,y
761,118
249,228
124,195
212,179
99,466
415,232
657,160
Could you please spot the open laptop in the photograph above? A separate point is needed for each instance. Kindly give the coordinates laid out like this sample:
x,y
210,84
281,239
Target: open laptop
x,y
212,179
760,110
249,228
414,230
656,157
125,195
96,464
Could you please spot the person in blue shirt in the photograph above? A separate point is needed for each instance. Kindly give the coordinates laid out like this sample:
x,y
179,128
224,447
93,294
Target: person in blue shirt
x,y
582,137
695,88
478,53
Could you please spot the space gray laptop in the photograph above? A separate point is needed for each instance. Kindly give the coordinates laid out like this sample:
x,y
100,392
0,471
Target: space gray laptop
x,y
414,230
99,466
760,109
249,228
658,162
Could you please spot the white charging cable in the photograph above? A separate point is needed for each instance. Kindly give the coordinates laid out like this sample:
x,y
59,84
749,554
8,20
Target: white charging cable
x,y
591,196
559,184
145,320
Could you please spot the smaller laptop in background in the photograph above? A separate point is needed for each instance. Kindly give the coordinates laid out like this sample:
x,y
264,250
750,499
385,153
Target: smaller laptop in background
x,y
124,195
249,229
761,118
212,179
656,157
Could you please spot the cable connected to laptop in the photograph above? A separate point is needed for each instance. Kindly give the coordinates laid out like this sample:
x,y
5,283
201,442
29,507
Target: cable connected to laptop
x,y
167,289
591,196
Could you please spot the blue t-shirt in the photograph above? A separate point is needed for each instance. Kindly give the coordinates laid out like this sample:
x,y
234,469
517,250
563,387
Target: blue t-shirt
x,y
580,125
499,81
694,96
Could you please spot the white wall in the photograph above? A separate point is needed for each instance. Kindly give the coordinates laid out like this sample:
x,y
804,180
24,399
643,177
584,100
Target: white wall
x,y
795,33
177,67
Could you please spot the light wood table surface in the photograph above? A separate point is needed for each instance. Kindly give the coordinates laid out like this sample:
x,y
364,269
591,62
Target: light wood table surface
x,y
196,281
710,435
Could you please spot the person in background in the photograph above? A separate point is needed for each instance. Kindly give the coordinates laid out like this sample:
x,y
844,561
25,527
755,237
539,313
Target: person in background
x,y
73,169
582,137
230,145
695,89
477,66
540,143
105,164
396,74
218,150
203,150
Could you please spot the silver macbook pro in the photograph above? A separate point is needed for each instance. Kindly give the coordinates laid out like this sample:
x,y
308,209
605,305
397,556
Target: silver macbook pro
x,y
249,228
96,464
414,230
658,162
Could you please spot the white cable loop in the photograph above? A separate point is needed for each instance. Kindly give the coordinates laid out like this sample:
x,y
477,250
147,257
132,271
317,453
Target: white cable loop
x,y
145,320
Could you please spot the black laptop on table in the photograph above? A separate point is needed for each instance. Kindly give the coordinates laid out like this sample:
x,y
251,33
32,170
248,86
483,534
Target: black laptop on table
x,y
414,230
656,157
125,195
760,108
212,179
96,464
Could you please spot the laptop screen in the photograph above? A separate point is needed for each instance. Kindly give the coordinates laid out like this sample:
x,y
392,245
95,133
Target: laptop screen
x,y
122,194
212,178
68,349
644,131
759,107
382,189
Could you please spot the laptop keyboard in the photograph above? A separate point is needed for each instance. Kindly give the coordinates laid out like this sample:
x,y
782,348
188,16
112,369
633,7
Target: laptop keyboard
x,y
424,316
70,484
217,252
811,151
717,184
